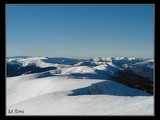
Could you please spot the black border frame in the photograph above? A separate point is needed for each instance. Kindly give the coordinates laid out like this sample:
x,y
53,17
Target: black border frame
x,y
3,53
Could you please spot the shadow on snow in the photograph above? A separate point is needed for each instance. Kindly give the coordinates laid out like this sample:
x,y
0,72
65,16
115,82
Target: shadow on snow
x,y
108,88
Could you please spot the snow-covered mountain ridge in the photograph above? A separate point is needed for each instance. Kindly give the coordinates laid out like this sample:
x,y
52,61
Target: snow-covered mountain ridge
x,y
39,94
65,86
120,69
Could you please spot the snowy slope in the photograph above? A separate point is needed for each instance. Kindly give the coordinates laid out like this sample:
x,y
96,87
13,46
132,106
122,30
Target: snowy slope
x,y
78,69
44,94
54,104
65,86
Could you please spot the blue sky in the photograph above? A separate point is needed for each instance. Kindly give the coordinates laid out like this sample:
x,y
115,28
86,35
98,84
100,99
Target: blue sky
x,y
80,31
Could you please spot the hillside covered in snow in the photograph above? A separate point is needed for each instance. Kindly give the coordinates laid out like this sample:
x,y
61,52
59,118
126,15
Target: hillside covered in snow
x,y
65,86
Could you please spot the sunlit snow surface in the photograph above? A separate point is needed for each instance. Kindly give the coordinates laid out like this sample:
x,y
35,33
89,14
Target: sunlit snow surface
x,y
76,87
59,95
